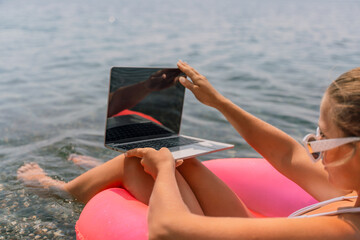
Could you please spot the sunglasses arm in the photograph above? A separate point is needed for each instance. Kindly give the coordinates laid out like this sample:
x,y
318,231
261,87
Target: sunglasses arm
x,y
327,144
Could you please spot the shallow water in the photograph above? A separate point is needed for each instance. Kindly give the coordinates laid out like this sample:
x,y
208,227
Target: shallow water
x,y
273,58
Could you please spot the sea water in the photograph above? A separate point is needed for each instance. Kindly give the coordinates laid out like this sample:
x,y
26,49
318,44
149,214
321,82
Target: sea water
x,y
273,58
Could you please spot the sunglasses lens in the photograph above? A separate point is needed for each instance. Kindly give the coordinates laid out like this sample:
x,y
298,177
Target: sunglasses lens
x,y
315,155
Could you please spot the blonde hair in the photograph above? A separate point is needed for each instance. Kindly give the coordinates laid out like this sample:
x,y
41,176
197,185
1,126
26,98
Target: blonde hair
x,y
344,94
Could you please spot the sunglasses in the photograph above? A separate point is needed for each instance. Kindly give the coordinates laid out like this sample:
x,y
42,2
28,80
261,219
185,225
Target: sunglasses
x,y
316,148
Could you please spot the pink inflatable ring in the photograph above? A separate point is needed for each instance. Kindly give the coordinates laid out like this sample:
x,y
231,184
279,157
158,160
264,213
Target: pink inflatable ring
x,y
115,214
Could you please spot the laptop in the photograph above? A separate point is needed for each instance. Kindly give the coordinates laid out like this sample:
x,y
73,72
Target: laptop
x,y
145,109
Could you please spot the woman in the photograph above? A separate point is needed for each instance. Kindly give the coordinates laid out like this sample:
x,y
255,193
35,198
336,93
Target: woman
x,y
183,201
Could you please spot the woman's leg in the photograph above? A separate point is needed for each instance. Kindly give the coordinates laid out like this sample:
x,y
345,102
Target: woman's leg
x,y
214,196
127,173
118,172
85,162
202,190
34,177
106,175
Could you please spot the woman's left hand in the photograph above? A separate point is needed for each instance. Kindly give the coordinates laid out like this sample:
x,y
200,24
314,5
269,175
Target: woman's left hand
x,y
153,160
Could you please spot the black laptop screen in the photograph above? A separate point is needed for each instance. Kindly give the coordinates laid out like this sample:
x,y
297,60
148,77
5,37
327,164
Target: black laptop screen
x,y
142,99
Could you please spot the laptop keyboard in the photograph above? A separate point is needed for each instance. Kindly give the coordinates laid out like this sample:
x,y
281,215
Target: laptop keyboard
x,y
134,131
159,143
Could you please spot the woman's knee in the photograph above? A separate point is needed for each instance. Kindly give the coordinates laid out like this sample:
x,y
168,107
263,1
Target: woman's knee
x,y
189,165
136,180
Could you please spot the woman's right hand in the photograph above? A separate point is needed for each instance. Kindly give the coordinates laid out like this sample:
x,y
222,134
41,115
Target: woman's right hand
x,y
153,160
199,86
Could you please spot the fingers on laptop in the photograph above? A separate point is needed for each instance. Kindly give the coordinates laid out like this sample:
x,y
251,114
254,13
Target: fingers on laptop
x,y
178,162
187,69
138,152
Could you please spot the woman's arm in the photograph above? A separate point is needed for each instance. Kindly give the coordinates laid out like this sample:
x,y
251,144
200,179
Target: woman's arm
x,y
189,226
169,218
166,199
281,150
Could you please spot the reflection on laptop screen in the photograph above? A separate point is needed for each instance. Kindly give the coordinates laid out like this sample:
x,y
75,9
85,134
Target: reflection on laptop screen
x,y
143,102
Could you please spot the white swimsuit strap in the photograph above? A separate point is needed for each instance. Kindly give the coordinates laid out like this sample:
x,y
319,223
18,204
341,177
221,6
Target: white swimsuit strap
x,y
320,204
340,211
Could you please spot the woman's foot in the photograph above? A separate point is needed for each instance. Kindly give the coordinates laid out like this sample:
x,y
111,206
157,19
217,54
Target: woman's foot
x,y
34,177
84,161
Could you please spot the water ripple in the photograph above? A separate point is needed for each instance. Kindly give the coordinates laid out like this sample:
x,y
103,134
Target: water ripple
x,y
55,58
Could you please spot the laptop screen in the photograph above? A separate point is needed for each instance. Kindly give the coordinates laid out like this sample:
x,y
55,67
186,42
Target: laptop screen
x,y
142,99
